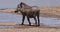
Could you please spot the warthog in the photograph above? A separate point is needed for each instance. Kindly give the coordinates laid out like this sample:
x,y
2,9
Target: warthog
x,y
30,12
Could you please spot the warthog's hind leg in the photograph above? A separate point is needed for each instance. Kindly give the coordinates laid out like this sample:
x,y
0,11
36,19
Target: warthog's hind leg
x,y
38,19
35,21
29,21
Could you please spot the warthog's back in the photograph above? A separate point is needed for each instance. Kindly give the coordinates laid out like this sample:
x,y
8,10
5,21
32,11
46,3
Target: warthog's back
x,y
33,8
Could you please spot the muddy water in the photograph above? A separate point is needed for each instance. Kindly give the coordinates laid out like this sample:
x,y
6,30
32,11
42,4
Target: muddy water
x,y
9,17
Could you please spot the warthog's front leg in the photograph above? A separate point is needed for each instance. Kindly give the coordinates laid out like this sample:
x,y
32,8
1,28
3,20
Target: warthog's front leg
x,y
23,20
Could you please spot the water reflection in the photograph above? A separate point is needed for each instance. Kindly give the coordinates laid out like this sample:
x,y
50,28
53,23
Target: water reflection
x,y
9,17
50,21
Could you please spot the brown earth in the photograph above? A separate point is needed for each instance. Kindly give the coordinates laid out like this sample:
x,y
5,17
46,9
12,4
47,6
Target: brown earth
x,y
25,28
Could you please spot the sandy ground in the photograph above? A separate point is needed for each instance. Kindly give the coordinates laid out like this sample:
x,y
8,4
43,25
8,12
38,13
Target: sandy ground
x,y
26,28
35,29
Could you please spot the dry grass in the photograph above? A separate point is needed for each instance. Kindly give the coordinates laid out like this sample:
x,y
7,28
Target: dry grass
x,y
9,10
50,11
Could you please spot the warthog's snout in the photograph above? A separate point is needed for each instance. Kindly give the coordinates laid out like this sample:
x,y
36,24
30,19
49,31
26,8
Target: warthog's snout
x,y
15,11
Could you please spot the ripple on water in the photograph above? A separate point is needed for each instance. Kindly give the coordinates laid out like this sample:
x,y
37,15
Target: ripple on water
x,y
9,17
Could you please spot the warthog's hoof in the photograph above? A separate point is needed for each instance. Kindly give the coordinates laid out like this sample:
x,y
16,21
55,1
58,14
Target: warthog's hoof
x,y
22,24
38,25
29,24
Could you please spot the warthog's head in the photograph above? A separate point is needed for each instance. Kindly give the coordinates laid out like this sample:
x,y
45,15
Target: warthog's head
x,y
16,11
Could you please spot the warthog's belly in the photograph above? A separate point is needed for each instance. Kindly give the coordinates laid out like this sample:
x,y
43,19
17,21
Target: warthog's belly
x,y
31,16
